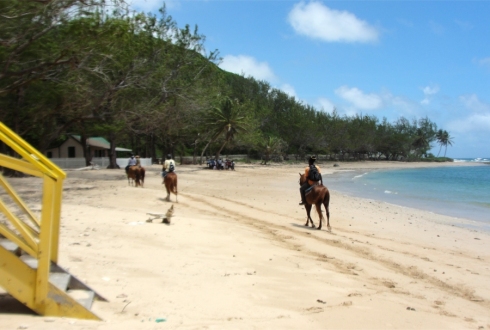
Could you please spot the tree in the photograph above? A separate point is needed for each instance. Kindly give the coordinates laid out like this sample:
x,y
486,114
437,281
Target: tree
x,y
30,49
271,146
227,120
445,140
439,138
421,142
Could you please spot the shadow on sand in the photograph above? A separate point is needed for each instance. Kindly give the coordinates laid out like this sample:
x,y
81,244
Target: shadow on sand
x,y
10,305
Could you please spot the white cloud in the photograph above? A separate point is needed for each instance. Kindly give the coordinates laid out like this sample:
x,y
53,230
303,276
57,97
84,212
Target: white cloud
x,y
405,22
359,99
288,89
400,105
485,62
248,66
477,122
466,26
429,91
473,103
317,21
478,119
325,104
436,28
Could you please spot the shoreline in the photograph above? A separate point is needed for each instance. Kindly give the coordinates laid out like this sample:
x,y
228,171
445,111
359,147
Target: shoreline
x,y
350,182
237,256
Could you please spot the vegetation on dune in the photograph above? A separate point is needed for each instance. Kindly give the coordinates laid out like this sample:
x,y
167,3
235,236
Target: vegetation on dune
x,y
70,66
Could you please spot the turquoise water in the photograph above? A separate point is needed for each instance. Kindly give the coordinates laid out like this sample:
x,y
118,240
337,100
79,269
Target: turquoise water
x,y
462,191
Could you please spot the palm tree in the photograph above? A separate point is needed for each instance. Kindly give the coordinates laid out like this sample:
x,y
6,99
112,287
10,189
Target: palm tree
x,y
270,146
446,140
226,119
439,138
421,143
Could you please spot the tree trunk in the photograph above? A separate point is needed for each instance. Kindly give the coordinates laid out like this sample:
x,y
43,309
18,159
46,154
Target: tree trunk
x,y
153,150
112,153
220,149
204,150
194,156
86,152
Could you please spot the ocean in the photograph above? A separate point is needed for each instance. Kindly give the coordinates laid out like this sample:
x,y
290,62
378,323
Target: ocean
x,y
459,191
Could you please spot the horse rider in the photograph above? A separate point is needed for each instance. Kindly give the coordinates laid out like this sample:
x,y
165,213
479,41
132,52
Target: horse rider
x,y
308,183
131,162
168,166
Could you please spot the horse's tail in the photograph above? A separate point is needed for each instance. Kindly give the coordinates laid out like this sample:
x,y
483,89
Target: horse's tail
x,y
142,172
175,185
137,178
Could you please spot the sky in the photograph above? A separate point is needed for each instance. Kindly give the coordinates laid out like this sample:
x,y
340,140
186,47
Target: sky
x,y
386,58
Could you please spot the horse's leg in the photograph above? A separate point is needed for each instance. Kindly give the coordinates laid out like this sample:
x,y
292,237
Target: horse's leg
x,y
175,189
308,214
326,202
318,206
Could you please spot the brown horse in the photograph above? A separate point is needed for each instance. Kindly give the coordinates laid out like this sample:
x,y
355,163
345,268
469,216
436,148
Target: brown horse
x,y
170,181
317,196
136,175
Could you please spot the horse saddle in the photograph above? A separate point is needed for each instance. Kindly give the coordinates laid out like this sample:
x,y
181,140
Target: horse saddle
x,y
310,188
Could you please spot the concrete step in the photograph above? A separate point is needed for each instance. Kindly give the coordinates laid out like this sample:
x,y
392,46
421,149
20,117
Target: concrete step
x,y
30,261
10,246
84,297
60,280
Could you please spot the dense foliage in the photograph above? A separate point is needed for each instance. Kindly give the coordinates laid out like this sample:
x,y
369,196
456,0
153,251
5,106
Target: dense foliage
x,y
71,66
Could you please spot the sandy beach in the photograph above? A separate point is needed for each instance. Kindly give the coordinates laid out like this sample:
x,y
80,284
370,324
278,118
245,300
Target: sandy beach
x,y
237,255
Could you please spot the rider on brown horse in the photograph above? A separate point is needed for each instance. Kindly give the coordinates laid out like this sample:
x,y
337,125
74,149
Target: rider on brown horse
x,y
168,166
308,183
131,162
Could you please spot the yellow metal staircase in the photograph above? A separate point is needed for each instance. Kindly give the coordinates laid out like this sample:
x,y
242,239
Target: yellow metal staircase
x,y
29,245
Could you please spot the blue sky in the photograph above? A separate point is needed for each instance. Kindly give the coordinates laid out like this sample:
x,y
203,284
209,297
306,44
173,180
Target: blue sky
x,y
383,58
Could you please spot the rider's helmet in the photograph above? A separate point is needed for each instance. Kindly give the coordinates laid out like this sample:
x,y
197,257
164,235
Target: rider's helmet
x,y
169,156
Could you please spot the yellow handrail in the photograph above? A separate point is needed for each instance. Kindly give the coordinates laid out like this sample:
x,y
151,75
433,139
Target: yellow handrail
x,y
43,244
19,201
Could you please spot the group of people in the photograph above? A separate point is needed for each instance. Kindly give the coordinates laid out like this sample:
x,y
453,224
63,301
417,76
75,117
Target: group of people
x,y
219,164
169,166
133,161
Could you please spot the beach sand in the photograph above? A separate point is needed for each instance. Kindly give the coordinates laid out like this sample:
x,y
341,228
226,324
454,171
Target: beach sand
x,y
237,255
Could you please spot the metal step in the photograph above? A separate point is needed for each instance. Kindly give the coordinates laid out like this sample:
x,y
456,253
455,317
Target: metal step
x,y
84,297
60,280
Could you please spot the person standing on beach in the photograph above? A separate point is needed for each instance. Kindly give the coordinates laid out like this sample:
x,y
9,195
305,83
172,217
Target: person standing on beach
x,y
168,166
308,183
